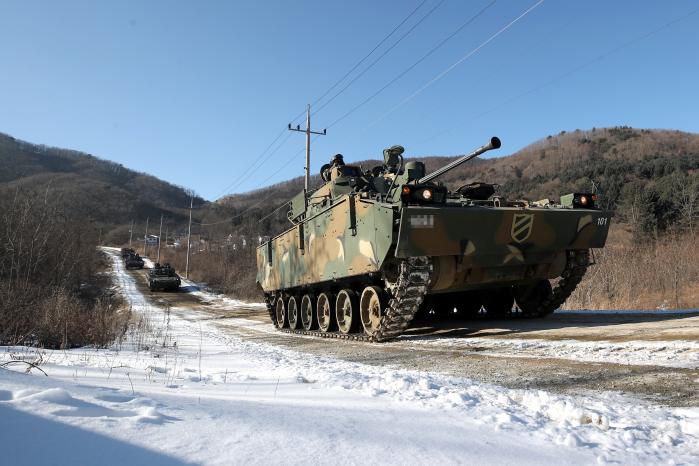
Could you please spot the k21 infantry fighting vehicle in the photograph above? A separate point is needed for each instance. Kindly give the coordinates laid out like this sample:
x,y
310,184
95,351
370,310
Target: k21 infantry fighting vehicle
x,y
367,250
163,277
133,261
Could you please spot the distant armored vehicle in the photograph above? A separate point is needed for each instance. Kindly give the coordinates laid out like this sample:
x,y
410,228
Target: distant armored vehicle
x,y
133,261
163,277
126,252
368,249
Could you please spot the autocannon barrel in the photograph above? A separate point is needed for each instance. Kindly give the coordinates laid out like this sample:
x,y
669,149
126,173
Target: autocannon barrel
x,y
493,144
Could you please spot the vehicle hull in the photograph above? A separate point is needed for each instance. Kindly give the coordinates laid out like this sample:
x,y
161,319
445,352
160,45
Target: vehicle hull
x,y
470,245
169,284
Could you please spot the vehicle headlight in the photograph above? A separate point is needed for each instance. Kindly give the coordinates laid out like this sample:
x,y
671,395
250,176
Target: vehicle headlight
x,y
427,194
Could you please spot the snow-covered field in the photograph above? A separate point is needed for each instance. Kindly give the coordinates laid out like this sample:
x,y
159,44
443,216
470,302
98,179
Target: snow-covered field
x,y
182,390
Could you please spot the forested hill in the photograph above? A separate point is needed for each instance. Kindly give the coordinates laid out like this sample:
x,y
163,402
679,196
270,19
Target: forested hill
x,y
650,177
89,188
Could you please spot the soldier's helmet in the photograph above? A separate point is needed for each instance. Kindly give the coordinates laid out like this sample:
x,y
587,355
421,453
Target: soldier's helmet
x,y
337,160
392,155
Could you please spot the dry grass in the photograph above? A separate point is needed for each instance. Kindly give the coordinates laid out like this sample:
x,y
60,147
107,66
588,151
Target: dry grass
x,y
657,274
52,293
221,268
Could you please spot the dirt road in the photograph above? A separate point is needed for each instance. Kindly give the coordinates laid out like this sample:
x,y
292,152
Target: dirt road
x,y
654,356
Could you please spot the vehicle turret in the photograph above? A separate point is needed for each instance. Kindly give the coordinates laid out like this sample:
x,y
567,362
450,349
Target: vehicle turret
x,y
162,277
385,182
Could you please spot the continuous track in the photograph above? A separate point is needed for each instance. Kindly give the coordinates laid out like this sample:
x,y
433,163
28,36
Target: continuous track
x,y
409,291
576,266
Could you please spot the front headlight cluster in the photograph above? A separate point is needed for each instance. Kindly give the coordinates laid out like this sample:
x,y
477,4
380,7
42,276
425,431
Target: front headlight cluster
x,y
422,194
579,200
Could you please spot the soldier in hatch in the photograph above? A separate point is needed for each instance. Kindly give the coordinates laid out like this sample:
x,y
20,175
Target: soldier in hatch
x,y
336,161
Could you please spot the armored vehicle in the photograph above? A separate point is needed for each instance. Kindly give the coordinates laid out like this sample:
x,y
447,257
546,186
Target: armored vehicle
x,y
133,261
369,249
126,252
163,277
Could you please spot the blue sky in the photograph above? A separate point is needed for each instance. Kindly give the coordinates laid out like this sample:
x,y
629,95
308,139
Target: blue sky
x,y
194,92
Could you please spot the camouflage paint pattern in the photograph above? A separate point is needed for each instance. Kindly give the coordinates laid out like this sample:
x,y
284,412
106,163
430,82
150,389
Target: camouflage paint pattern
x,y
476,245
471,244
333,245
496,235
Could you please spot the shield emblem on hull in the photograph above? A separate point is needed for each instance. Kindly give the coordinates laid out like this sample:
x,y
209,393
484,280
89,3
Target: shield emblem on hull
x,y
521,227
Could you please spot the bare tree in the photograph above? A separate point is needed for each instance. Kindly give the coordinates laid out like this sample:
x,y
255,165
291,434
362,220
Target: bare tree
x,y
687,193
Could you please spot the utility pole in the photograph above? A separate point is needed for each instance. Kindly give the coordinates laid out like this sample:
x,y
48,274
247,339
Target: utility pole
x,y
145,238
131,233
308,144
189,238
160,235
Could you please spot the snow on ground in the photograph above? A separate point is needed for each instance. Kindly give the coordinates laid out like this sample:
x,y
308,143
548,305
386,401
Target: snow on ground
x,y
184,391
671,353
219,301
676,353
628,312
215,300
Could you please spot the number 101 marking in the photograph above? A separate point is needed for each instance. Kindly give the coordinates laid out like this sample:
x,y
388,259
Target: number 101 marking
x,y
602,221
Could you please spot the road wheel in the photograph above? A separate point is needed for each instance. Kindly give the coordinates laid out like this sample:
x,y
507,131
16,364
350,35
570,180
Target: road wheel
x,y
325,310
530,297
498,303
372,306
280,313
309,319
293,313
347,311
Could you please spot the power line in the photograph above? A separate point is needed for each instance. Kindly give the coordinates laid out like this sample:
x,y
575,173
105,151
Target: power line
x,y
412,66
352,81
381,42
380,56
421,59
258,164
249,208
569,72
247,170
274,193
250,168
259,161
459,61
286,163
400,75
